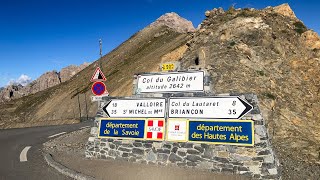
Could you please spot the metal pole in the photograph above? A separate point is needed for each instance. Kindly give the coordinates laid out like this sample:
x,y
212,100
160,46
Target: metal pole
x,y
100,60
79,107
100,43
85,99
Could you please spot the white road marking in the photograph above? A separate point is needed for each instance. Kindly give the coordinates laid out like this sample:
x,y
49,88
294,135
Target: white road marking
x,y
84,127
56,134
23,154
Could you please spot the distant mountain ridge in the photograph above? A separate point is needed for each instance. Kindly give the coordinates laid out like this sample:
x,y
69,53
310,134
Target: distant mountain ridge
x,y
45,81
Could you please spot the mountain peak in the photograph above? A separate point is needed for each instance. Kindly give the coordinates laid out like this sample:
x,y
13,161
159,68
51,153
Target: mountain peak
x,y
174,21
285,10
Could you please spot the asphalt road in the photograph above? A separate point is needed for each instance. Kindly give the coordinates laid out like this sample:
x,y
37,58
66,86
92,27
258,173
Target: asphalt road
x,y
15,164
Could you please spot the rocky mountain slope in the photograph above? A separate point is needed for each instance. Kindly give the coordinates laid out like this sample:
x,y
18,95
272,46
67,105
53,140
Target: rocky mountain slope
x,y
45,81
269,52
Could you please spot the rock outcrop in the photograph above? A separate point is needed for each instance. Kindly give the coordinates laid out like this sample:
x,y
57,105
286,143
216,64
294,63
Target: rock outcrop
x,y
311,39
214,12
45,81
285,10
67,72
174,21
12,90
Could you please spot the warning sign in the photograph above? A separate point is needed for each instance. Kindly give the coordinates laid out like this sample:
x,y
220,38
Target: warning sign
x,y
155,129
98,76
177,130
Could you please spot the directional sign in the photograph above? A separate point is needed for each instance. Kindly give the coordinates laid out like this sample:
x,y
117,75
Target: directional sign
x,y
170,82
229,107
151,108
98,88
98,76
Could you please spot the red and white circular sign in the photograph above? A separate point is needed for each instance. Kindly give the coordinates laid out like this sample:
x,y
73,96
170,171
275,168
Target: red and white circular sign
x,y
98,88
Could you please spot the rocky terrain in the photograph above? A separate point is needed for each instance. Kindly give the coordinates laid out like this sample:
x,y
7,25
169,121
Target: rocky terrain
x,y
45,81
269,52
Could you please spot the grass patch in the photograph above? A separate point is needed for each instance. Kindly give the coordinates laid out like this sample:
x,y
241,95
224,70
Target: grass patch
x,y
284,31
232,43
269,95
300,27
261,73
247,13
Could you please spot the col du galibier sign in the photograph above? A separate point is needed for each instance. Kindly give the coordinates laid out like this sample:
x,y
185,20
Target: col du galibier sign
x,y
191,81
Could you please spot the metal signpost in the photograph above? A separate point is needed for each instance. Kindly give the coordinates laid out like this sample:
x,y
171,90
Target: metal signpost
x,y
136,108
230,107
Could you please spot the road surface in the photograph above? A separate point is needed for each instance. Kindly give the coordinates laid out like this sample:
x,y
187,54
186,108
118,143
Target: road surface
x,y
21,155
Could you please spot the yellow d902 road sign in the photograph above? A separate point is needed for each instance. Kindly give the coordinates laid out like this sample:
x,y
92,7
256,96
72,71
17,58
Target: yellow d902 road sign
x,y
167,67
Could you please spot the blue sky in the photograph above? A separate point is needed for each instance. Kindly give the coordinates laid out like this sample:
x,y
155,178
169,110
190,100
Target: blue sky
x,y
42,35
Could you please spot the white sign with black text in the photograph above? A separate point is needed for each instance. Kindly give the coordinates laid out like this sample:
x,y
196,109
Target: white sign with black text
x,y
229,107
171,82
98,98
135,108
